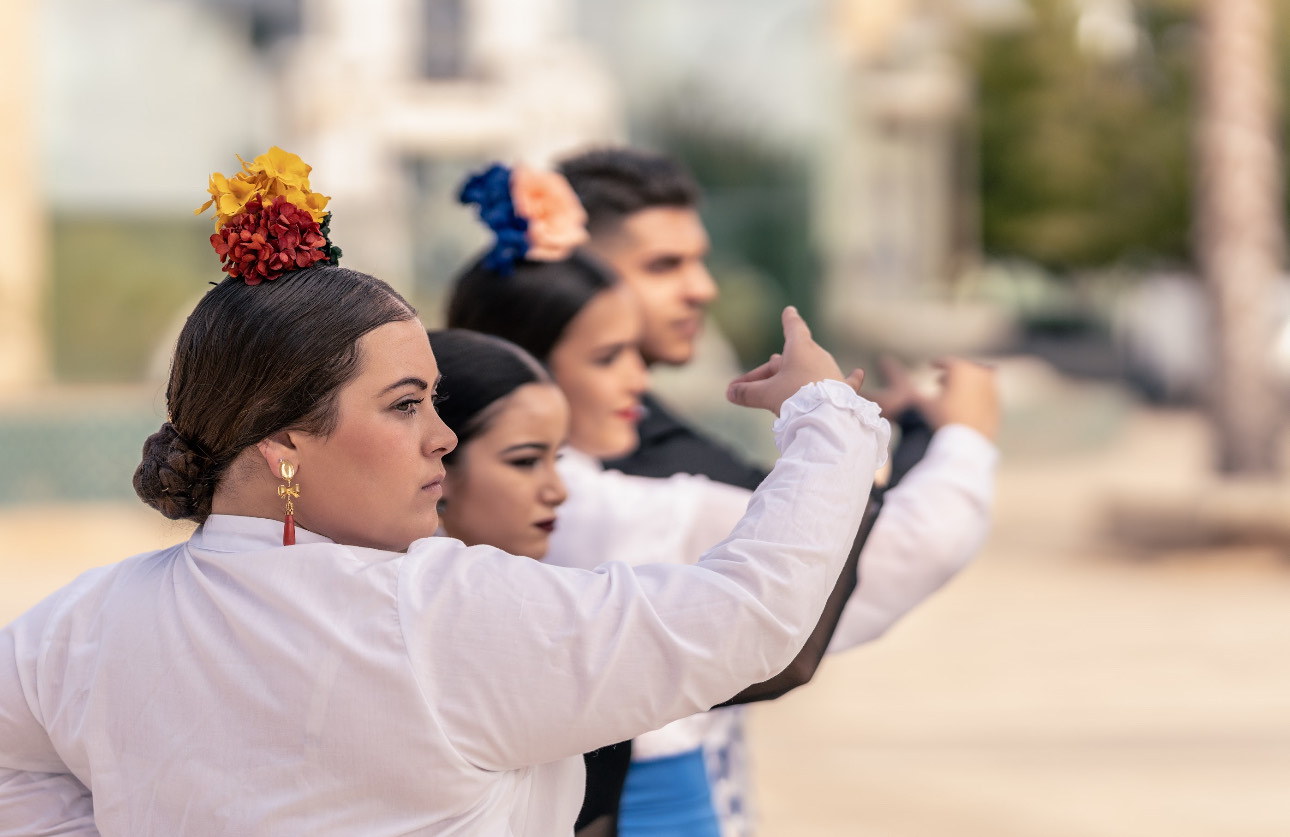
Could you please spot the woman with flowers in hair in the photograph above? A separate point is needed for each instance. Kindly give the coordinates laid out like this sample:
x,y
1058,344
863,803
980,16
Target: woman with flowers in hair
x,y
311,661
587,333
535,288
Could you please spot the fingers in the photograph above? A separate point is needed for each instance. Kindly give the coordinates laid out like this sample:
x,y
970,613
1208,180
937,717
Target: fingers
x,y
761,373
969,396
855,380
748,394
957,372
895,373
795,328
753,388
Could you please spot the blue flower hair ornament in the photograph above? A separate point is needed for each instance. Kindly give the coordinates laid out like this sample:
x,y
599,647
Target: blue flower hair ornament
x,y
491,191
533,215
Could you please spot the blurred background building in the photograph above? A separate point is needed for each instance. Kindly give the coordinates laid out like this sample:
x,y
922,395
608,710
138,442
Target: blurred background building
x,y
922,176
859,154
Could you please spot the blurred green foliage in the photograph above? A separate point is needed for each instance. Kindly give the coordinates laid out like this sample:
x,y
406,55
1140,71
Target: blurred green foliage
x,y
1084,161
118,285
1087,161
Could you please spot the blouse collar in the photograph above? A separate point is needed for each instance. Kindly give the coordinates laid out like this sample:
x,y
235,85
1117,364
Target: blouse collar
x,y
233,533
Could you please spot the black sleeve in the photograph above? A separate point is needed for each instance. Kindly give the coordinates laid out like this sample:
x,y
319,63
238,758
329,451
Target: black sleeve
x,y
915,436
606,775
804,665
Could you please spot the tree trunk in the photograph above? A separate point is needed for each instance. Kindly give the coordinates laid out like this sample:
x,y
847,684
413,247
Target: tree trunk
x,y
1239,215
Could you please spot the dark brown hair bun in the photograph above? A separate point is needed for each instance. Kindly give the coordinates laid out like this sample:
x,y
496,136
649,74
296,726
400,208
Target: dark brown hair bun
x,y
173,477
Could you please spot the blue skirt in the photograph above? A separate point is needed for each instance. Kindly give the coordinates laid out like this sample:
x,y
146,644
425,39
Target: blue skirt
x,y
668,796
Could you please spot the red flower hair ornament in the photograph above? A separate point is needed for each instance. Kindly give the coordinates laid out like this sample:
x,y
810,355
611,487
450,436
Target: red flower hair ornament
x,y
267,220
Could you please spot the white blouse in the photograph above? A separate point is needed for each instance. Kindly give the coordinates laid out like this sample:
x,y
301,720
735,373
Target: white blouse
x,y
230,685
931,525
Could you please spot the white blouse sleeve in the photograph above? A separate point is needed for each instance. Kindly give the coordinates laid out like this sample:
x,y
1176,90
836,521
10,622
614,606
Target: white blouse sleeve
x,y
931,525
612,516
44,803
38,794
527,663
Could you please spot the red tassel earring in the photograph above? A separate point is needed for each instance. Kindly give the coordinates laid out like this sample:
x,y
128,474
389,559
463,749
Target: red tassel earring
x,y
288,470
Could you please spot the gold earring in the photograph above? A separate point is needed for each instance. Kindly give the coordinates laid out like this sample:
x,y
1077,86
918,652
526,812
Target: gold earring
x,y
287,470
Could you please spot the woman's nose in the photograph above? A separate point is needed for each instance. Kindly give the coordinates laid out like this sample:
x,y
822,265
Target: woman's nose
x,y
640,374
440,440
553,491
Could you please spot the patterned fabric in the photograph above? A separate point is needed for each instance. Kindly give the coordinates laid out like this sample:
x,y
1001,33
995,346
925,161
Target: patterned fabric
x,y
730,772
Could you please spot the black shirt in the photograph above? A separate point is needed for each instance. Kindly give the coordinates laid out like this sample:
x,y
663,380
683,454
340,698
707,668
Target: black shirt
x,y
670,446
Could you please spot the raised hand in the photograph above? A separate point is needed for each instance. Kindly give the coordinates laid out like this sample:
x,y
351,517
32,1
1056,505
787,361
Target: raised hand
x,y
803,361
900,391
969,395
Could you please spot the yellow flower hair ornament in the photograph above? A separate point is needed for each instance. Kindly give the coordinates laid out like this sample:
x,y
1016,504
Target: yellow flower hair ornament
x,y
267,220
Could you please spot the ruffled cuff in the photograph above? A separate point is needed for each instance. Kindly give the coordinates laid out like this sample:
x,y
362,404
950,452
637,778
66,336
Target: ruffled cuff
x,y
835,394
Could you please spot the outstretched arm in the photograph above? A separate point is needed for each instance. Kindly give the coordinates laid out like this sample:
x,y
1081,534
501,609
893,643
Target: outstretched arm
x,y
938,517
804,665
608,654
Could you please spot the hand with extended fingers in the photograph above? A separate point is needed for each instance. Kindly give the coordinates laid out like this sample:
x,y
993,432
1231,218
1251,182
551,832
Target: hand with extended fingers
x,y
968,395
802,362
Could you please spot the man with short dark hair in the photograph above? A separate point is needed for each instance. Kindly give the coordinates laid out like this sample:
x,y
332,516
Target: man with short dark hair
x,y
644,222
643,219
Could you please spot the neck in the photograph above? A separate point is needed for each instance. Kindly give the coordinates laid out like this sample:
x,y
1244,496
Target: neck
x,y
248,491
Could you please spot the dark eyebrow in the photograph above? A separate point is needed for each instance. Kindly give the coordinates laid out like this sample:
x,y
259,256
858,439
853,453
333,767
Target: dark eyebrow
x,y
541,447
416,382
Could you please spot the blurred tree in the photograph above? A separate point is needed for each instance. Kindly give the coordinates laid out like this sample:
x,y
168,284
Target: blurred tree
x,y
1240,218
1092,157
1085,155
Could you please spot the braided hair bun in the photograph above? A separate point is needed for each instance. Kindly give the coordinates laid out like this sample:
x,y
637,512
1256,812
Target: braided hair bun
x,y
174,478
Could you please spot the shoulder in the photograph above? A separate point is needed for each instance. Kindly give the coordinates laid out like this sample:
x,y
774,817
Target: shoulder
x,y
94,586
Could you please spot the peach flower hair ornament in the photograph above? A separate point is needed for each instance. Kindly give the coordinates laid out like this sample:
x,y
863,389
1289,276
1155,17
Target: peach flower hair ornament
x,y
533,214
268,221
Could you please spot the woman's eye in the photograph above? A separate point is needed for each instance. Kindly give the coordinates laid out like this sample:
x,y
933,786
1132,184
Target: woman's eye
x,y
525,462
607,360
438,398
408,405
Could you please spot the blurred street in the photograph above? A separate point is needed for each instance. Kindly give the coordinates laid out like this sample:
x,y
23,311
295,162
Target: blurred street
x,y
1064,686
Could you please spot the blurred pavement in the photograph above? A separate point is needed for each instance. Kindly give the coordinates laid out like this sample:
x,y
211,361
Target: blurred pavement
x,y
1063,686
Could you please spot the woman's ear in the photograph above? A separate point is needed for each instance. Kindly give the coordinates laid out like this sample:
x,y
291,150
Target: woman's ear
x,y
279,448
